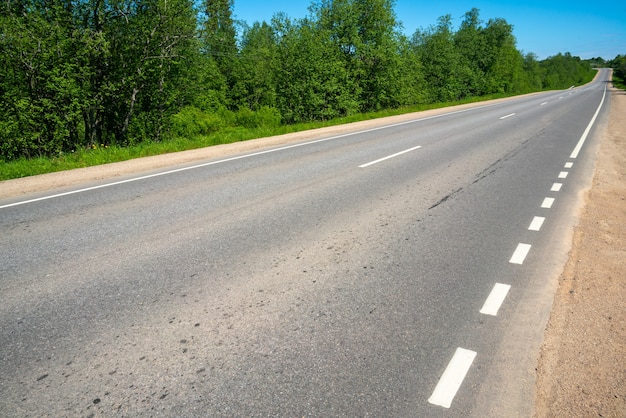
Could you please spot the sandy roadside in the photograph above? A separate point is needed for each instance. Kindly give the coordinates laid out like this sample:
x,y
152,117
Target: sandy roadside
x,y
582,365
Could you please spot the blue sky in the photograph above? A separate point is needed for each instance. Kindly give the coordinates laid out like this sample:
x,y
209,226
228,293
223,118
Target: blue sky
x,y
597,28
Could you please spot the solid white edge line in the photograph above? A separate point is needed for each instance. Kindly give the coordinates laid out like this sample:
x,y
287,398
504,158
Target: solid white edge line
x,y
547,203
556,187
163,173
507,116
536,223
452,378
520,254
563,175
390,156
582,139
495,299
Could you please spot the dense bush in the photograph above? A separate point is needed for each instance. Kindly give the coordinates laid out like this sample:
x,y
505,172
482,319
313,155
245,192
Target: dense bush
x,y
265,117
191,121
79,73
619,67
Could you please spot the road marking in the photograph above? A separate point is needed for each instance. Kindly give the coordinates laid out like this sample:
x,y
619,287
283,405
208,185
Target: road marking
x,y
507,116
569,165
495,299
547,203
556,187
192,167
536,223
390,156
543,104
452,377
520,254
582,139
563,175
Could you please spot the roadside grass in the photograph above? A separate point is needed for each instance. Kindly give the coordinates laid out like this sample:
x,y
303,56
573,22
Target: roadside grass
x,y
618,82
99,155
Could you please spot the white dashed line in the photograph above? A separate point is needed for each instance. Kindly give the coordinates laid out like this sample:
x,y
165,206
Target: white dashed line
x,y
457,369
495,299
452,378
543,104
390,156
547,203
520,254
536,223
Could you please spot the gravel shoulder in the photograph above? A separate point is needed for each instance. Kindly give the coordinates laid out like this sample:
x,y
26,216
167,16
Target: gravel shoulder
x,y
582,364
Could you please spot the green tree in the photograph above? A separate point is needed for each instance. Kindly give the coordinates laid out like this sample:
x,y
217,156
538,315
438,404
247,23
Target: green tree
x,y
564,70
409,76
440,60
219,39
470,44
87,72
312,81
366,32
40,95
151,44
533,74
473,61
619,66
255,76
381,54
505,62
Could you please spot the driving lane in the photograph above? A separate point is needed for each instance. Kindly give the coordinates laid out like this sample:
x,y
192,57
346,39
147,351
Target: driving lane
x,y
334,277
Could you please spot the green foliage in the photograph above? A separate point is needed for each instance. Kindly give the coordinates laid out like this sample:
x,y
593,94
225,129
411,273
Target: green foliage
x,y
312,81
563,70
442,63
191,121
83,75
265,117
40,96
85,72
532,74
474,60
218,41
366,35
255,74
619,70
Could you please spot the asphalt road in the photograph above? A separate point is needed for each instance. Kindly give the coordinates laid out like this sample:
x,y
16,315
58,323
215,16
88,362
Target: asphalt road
x,y
407,270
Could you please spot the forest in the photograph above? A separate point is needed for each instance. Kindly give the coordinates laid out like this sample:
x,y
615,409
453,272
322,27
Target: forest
x,y
77,74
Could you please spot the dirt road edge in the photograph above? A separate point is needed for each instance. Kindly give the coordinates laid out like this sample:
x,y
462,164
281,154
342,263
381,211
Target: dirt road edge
x,y
582,365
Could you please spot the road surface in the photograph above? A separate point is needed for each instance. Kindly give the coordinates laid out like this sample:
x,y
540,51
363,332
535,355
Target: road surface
x,y
404,270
